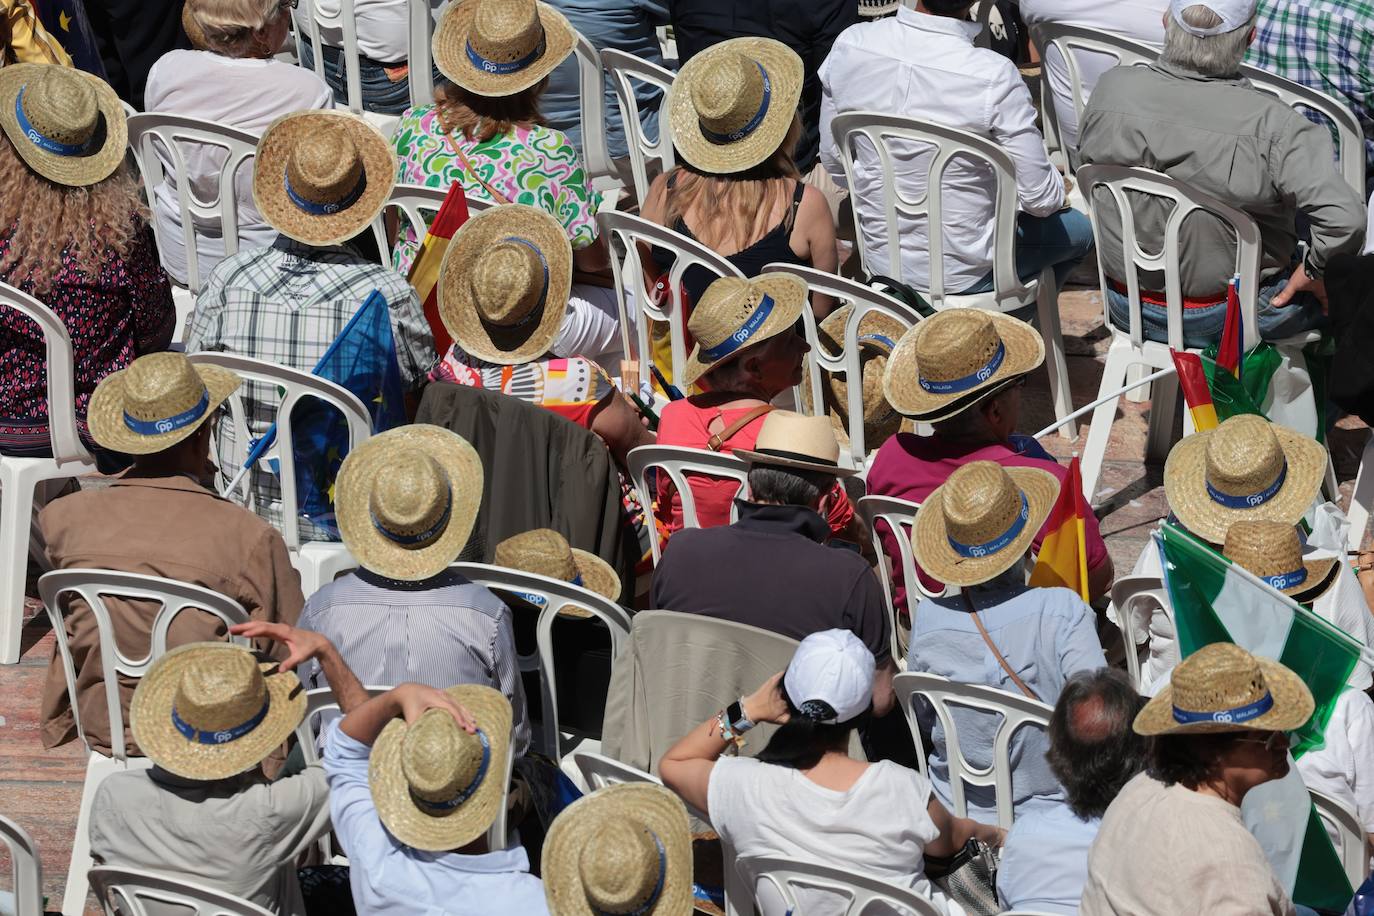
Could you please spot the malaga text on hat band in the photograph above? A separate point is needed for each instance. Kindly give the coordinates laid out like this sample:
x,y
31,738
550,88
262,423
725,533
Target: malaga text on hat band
x,y
537,312
998,543
540,600
1233,716
497,66
648,904
224,735
1251,501
183,419
55,147
1286,580
754,122
423,537
741,337
954,386
466,792
314,209
878,339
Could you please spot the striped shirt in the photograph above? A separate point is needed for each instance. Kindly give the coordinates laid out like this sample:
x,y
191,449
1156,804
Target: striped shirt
x,y
440,632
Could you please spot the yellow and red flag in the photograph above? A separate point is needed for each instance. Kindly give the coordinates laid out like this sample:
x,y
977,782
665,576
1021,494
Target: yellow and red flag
x,y
1063,559
424,270
1197,394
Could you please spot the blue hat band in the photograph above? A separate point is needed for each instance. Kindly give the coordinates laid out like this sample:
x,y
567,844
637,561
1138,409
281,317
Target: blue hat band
x,y
1286,580
1251,501
654,894
466,792
974,551
43,142
741,337
877,339
954,386
500,67
327,209
1233,716
222,736
168,424
424,537
753,123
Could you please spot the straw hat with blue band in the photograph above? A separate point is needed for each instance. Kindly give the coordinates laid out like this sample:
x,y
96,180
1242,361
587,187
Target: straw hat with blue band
x,y
1223,688
735,314
435,787
877,338
211,710
159,400
545,552
732,105
501,47
68,126
1272,551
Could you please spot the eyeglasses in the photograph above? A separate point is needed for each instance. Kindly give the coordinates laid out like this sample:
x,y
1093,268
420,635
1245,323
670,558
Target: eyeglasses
x,y
1272,741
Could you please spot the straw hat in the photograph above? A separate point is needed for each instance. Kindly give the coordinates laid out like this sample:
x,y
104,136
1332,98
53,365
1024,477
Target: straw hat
x,y
406,500
157,401
191,26
735,314
732,104
1223,688
623,849
321,177
981,521
1272,551
545,552
504,282
68,126
791,440
946,363
436,787
501,47
878,336
1246,468
210,710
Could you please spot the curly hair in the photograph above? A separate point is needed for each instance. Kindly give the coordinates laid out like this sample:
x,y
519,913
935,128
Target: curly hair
x,y
46,222
1189,759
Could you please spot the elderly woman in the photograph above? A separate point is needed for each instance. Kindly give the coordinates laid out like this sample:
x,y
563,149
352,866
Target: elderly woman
x,y
1173,841
803,796
231,79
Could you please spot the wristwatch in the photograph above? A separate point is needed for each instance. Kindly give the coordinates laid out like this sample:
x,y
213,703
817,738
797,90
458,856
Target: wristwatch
x,y
1311,272
739,722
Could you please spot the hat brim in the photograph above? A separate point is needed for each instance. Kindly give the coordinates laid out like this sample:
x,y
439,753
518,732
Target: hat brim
x,y
418,828
789,298
1292,708
269,178
655,807
881,420
111,139
450,51
352,501
785,73
764,459
930,539
1321,576
458,307
150,718
105,412
1185,485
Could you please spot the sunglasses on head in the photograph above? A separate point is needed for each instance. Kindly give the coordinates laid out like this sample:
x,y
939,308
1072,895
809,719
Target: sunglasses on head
x,y
1272,741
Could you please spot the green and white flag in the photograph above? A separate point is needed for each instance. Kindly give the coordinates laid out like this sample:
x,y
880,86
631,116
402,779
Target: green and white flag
x,y
1216,601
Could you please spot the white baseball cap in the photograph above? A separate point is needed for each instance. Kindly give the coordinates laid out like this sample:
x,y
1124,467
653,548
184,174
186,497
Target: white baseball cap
x,y
1234,14
833,671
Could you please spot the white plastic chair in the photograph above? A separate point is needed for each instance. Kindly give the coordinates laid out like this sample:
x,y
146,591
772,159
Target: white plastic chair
x,y
898,515
776,880
26,868
1350,148
20,477
135,892
92,585
1353,847
318,562
648,157
1137,597
677,463
596,156
1016,711
879,131
417,205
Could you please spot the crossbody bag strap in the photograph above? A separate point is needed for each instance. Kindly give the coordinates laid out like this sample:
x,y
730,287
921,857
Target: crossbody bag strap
x,y
1001,660
467,167
717,441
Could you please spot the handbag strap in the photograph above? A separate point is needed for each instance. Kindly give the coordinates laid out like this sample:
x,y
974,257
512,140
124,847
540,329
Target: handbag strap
x,y
717,441
982,631
467,167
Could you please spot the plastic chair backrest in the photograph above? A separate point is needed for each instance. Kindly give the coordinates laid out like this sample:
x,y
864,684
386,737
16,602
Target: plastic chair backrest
x,y
1118,181
591,87
417,205
1333,111
947,144
775,882
1016,711
1353,848
1130,595
25,867
63,437
131,891
307,21
648,157
92,585
898,515
677,463
600,771
631,237
158,140
296,386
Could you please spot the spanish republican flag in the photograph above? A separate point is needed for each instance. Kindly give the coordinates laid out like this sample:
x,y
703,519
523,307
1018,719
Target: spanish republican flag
x,y
424,270
1063,559
1196,392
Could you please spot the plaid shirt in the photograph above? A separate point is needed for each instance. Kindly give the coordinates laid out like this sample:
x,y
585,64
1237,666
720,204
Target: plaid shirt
x,y
286,304
1324,44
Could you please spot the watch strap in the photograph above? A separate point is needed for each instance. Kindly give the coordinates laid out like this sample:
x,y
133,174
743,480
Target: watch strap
x,y
739,723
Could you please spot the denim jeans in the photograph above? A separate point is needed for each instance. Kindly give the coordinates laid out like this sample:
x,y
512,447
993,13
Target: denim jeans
x,y
381,94
1059,240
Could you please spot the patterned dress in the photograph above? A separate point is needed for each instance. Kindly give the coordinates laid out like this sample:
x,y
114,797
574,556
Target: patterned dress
x,y
571,388
537,166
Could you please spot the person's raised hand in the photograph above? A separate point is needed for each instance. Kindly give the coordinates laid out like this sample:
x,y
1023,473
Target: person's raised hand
x,y
417,699
767,704
1300,282
301,644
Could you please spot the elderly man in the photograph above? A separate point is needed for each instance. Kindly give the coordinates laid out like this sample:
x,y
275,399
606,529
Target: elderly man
x,y
1193,117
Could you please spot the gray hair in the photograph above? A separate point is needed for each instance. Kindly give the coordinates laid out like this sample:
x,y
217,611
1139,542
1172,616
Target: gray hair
x,y
1210,55
788,486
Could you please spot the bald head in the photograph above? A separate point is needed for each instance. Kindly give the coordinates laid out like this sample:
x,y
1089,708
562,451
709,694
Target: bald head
x,y
1093,749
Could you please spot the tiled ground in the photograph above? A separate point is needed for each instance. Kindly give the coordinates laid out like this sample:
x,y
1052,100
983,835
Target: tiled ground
x,y
41,789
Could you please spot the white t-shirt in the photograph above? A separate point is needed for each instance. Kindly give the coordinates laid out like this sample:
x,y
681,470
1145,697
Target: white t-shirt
x,y
383,27
1344,767
879,827
247,94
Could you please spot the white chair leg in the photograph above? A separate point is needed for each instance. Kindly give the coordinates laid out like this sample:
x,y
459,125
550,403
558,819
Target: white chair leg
x,y
1056,363
1162,406
16,509
1362,496
1095,449
1142,394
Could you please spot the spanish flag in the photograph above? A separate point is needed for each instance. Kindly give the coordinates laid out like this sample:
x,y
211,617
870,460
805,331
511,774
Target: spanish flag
x,y
1196,392
1063,559
424,270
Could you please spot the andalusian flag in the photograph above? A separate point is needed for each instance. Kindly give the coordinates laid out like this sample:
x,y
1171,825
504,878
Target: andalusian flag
x,y
1192,378
424,270
1063,558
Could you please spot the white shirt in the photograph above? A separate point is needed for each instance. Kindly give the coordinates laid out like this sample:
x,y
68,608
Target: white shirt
x,y
247,94
922,66
1044,861
1344,767
1142,20
879,827
383,27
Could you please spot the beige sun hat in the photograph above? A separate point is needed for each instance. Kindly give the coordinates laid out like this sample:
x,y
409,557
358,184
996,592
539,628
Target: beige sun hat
x,y
504,282
1272,551
981,521
1223,688
946,363
1246,468
436,787
734,314
157,401
68,126
501,47
210,710
406,500
877,338
732,104
545,552
792,440
623,849
321,177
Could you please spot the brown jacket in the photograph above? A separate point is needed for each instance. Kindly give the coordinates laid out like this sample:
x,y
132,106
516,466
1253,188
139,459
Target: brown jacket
x,y
160,526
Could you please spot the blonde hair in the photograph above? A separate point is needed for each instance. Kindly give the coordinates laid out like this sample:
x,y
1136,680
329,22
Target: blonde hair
x,y
231,27
481,117
43,221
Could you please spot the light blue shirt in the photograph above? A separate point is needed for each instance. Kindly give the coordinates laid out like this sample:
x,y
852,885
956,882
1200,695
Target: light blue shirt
x,y
389,877
1045,634
1044,861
